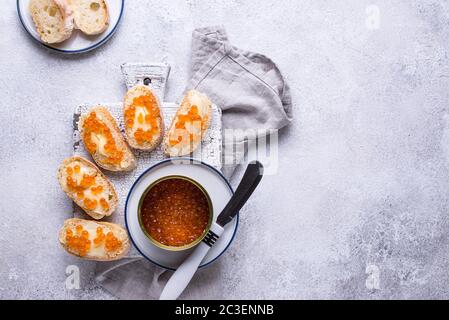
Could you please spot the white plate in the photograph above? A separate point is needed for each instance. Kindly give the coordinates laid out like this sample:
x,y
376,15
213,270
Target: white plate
x,y
78,42
216,186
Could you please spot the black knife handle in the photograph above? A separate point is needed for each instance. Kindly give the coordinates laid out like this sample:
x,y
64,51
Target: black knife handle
x,y
248,184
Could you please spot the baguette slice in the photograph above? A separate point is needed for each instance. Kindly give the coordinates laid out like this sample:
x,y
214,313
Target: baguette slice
x,y
88,243
189,125
144,126
88,187
53,20
104,141
91,16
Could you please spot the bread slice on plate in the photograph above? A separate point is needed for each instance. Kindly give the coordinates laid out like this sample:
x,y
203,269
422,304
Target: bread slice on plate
x,y
53,20
144,126
93,240
91,16
88,187
104,141
189,125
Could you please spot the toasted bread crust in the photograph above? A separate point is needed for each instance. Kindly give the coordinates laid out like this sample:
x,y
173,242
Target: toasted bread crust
x,y
129,163
136,91
186,103
53,20
113,203
119,232
89,20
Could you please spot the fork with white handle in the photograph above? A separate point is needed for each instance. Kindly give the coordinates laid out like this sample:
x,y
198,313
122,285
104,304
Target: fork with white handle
x,y
181,278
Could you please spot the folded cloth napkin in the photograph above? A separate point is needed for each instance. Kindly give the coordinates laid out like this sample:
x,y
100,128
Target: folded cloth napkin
x,y
247,86
253,96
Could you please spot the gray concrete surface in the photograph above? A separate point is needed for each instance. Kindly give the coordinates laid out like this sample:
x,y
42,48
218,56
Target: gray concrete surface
x,y
359,207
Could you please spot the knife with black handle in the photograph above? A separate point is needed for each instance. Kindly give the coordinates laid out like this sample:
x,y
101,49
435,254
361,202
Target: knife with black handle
x,y
181,278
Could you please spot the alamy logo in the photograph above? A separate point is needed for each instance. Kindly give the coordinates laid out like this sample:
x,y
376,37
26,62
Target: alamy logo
x,y
372,282
372,21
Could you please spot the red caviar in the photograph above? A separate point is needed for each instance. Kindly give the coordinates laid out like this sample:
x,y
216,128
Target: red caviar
x,y
87,183
149,114
193,118
94,126
78,243
175,212
110,241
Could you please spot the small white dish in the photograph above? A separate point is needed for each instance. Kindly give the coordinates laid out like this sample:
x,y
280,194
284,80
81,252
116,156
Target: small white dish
x,y
210,179
78,42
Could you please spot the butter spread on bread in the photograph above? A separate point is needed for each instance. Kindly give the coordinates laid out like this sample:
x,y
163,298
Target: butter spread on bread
x,y
93,240
189,124
104,141
144,125
84,183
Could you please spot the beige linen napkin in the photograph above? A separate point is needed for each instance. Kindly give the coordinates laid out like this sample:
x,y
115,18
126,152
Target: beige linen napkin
x,y
252,93
247,86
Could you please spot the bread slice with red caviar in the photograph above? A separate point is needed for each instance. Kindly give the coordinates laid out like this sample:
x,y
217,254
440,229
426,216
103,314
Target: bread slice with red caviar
x,y
144,125
88,187
189,125
104,141
93,240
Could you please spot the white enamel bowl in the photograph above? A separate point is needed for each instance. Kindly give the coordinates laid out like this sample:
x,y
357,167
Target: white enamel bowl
x,y
210,179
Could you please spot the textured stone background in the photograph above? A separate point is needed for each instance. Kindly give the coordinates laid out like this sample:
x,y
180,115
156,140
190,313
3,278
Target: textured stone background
x,y
364,168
